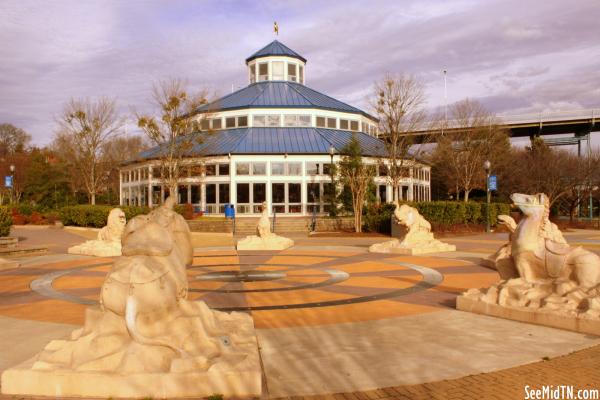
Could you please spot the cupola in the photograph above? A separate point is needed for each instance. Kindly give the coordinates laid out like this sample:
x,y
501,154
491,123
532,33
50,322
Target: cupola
x,y
276,62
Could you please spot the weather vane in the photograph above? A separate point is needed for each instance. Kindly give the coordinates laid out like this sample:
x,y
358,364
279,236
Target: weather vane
x,y
276,28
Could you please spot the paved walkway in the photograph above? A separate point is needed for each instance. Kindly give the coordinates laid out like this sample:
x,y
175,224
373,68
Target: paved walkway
x,y
330,317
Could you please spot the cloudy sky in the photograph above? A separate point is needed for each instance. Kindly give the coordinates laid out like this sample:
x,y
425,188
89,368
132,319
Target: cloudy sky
x,y
515,56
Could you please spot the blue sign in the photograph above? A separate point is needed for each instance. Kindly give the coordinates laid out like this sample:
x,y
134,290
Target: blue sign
x,y
8,181
493,182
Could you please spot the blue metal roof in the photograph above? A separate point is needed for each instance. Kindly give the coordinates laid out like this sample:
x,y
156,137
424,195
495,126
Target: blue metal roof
x,y
275,48
278,94
274,141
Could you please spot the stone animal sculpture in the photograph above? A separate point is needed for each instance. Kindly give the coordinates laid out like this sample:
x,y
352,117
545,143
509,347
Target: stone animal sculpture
x,y
115,226
146,328
108,242
539,269
264,224
418,238
264,239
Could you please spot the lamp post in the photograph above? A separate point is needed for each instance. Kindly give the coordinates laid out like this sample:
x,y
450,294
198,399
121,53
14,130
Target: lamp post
x,y
487,166
12,181
332,191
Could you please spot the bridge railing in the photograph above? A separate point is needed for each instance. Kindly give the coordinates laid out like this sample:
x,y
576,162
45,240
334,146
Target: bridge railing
x,y
550,116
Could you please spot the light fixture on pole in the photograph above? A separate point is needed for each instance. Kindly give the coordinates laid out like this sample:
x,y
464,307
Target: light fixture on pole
x,y
445,102
12,181
487,166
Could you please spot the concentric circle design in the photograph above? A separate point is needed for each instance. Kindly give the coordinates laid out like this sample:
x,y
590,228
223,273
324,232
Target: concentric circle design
x,y
240,276
250,283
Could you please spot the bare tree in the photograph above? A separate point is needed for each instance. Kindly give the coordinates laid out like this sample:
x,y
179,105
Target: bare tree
x,y
171,127
85,125
357,176
473,137
562,175
398,101
12,140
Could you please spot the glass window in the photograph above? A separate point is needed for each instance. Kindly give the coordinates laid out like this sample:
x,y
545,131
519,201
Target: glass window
x,y
277,70
304,120
278,192
382,193
230,122
294,193
195,194
242,168
312,168
242,121
273,120
344,124
300,74
259,192
277,168
182,194
211,169
383,170
313,192
259,120
331,123
321,122
223,193
290,120
243,193
354,125
205,124
253,73
259,168
327,169
295,168
216,123
224,169
263,72
211,193
292,74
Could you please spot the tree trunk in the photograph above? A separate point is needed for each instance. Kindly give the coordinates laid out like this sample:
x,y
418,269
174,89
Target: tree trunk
x,y
467,195
93,199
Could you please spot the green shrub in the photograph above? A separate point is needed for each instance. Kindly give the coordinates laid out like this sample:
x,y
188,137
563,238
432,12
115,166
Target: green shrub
x,y
95,216
5,221
377,217
439,213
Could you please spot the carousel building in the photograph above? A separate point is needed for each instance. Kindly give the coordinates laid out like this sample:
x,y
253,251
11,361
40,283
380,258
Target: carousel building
x,y
275,141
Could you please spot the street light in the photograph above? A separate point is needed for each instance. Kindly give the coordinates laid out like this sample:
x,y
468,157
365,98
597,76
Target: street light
x,y
12,181
487,166
332,191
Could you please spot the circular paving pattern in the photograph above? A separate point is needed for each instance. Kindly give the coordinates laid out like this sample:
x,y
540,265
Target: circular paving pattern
x,y
288,288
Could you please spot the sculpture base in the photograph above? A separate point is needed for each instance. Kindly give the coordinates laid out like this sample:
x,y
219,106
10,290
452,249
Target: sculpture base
x,y
273,242
532,316
394,246
235,373
97,248
23,380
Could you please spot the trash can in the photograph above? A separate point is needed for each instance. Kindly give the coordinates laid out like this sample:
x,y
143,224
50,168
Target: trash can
x,y
229,211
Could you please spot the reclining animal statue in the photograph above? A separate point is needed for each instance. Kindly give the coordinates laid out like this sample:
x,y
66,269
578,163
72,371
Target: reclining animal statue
x,y
264,239
539,269
108,243
418,238
146,338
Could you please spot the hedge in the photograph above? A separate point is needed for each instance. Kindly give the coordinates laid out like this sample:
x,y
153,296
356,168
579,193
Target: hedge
x,y
377,217
95,216
5,220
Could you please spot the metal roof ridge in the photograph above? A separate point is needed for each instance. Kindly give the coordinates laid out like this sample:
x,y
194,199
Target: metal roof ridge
x,y
242,137
262,89
301,95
